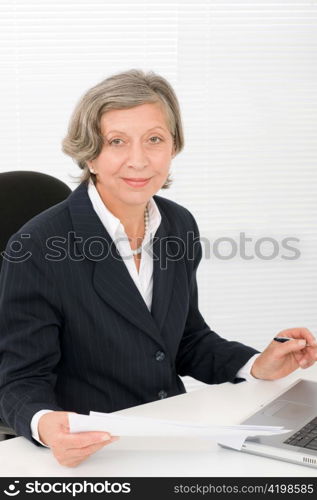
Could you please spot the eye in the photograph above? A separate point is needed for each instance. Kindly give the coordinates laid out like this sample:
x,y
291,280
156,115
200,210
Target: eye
x,y
115,142
155,141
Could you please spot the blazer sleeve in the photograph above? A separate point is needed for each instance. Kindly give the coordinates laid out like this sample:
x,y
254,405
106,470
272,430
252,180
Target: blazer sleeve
x,y
30,319
202,353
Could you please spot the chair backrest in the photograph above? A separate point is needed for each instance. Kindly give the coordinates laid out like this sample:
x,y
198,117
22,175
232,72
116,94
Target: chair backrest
x,y
24,194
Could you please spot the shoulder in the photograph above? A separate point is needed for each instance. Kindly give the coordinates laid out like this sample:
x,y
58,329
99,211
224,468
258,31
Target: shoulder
x,y
176,214
55,218
28,244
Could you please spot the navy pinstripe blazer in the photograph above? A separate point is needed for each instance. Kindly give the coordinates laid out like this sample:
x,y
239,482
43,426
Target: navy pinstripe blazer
x,y
75,333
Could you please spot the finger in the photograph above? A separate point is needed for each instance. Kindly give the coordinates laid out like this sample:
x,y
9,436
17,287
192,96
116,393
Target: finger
x,y
298,333
292,346
87,450
307,356
71,462
75,463
311,355
73,457
299,356
66,426
82,453
68,441
304,363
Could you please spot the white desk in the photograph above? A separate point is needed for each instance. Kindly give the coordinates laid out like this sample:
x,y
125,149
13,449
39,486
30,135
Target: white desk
x,y
132,457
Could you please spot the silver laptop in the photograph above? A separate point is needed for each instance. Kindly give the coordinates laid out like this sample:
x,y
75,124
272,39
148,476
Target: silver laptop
x,y
295,409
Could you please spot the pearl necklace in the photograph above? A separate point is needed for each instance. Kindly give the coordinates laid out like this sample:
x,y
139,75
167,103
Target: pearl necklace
x,y
146,225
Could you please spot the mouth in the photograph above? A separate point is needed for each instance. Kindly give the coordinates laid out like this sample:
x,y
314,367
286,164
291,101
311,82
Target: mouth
x,y
136,182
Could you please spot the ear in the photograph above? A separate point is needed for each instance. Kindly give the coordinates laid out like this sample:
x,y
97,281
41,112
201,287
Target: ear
x,y
90,166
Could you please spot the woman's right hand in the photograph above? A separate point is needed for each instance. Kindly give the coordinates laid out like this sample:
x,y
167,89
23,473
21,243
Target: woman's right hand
x,y
70,449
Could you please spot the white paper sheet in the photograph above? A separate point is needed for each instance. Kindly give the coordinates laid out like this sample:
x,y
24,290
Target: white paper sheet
x,y
124,425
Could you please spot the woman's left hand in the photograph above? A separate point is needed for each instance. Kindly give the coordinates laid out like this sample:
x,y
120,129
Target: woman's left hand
x,y
281,359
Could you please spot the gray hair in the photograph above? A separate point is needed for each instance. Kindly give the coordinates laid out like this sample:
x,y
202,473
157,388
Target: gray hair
x,y
128,89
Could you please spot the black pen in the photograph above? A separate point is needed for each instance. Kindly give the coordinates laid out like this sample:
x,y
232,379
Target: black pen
x,y
286,339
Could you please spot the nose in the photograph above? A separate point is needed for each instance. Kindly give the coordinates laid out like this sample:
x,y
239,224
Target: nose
x,y
137,157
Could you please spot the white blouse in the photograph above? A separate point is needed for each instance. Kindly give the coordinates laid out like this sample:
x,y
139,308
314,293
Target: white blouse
x,y
144,278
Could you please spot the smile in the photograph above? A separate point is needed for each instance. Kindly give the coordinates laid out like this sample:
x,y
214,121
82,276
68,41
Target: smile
x,y
137,182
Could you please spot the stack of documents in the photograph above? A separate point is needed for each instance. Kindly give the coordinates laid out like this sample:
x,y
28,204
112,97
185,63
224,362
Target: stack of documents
x,y
126,425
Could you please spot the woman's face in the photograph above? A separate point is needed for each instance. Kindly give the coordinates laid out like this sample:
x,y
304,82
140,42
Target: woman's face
x,y
135,159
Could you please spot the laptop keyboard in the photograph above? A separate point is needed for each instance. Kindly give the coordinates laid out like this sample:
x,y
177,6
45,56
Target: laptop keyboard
x,y
306,437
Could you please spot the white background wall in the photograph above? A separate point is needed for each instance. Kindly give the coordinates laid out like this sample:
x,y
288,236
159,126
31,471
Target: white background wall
x,y
245,74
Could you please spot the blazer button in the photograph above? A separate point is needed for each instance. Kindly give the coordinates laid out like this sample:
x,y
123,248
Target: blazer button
x,y
159,356
162,394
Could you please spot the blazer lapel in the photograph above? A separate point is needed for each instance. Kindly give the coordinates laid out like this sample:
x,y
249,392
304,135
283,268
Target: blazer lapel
x,y
163,272
111,278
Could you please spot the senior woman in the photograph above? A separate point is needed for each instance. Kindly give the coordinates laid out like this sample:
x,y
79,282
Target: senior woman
x,y
103,312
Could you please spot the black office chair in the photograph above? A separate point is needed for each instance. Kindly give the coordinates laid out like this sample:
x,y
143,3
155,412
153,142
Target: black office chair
x,y
24,194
